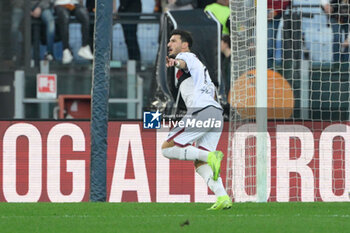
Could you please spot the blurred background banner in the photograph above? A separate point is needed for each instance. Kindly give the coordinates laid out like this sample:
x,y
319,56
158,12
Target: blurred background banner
x,y
137,172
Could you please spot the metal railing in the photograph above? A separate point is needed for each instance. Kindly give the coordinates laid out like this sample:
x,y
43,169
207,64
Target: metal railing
x,y
134,98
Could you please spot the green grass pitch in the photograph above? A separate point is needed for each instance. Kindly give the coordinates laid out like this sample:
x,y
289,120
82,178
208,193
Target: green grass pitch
x,y
174,217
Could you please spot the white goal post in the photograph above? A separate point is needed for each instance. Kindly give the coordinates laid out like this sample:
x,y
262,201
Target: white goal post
x,y
261,98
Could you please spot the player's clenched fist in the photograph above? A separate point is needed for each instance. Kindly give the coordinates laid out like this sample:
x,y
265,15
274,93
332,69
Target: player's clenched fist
x,y
170,62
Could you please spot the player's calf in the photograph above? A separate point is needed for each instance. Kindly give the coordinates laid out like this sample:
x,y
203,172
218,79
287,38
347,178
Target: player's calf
x,y
198,163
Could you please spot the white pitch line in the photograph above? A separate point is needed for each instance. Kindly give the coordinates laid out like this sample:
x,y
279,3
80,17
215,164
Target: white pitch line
x,y
172,215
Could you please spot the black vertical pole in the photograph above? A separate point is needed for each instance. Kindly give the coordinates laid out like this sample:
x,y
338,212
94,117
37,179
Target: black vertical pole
x,y
100,92
27,36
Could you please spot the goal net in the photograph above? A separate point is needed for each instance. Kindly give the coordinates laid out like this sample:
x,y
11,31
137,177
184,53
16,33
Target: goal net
x,y
297,147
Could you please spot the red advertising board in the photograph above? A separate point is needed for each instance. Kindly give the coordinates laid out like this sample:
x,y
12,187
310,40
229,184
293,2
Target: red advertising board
x,y
49,161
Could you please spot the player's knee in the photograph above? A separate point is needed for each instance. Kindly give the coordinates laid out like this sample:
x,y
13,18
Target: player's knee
x,y
166,147
198,163
167,144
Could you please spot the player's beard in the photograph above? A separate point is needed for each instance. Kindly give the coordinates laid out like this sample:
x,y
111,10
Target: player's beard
x,y
172,56
175,51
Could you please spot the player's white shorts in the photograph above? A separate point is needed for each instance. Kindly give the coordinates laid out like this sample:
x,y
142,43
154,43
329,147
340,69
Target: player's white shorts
x,y
205,137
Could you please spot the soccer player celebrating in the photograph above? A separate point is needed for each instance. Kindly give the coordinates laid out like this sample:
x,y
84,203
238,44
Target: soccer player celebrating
x,y
197,91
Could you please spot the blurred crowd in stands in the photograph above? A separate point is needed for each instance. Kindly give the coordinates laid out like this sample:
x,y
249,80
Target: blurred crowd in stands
x,y
320,29
339,13
55,15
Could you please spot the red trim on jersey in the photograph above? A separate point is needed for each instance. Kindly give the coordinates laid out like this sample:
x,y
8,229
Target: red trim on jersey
x,y
179,74
203,148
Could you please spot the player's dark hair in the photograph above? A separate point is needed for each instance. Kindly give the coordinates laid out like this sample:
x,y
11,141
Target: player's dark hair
x,y
185,36
226,39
